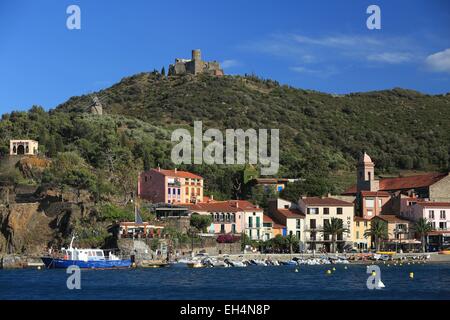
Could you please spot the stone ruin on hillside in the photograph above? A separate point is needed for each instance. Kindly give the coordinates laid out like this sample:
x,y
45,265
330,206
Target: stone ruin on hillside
x,y
195,66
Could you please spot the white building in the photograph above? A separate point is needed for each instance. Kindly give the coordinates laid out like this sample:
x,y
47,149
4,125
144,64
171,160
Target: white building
x,y
319,211
287,214
437,213
23,147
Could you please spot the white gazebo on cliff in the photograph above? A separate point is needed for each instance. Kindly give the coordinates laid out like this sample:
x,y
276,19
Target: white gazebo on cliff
x,y
23,147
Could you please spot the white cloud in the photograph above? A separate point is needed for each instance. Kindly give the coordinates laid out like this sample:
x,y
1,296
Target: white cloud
x,y
391,57
339,49
439,62
230,63
320,73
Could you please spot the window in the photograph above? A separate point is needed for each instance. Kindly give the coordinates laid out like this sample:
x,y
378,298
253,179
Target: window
x,y
297,223
313,211
443,225
179,191
357,223
340,237
250,222
222,228
168,191
357,234
365,223
286,206
326,210
380,203
326,222
442,214
250,233
339,211
146,178
312,236
433,225
370,203
431,214
233,228
258,221
370,213
298,235
312,223
187,191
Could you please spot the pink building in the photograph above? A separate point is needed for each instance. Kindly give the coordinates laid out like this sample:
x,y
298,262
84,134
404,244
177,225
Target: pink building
x,y
437,213
372,203
232,216
170,186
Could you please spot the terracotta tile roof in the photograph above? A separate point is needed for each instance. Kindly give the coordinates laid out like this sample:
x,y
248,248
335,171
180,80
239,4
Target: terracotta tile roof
x,y
391,218
317,201
358,218
411,182
434,204
178,174
224,206
401,183
375,194
291,213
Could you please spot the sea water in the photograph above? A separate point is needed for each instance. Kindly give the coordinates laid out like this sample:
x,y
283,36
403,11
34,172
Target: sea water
x,y
431,281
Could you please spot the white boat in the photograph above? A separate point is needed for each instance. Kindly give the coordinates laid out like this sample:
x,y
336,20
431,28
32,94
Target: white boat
x,y
258,262
234,263
195,264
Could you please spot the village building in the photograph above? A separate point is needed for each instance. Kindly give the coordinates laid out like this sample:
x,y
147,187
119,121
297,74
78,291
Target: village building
x,y
195,66
170,186
271,229
437,213
318,211
137,230
360,226
400,233
23,147
377,196
268,184
287,214
232,216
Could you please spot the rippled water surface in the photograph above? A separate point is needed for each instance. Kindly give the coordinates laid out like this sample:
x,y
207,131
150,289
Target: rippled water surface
x,y
431,281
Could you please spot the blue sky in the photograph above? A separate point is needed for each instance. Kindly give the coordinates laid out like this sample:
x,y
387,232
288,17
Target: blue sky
x,y
320,45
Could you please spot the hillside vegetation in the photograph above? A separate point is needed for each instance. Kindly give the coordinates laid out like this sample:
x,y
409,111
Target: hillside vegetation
x,y
321,134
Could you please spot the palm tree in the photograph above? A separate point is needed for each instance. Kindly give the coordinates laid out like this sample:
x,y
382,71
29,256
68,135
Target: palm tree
x,y
378,230
291,239
422,227
334,227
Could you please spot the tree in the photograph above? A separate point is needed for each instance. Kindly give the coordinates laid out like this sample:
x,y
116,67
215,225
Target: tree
x,y
69,169
378,231
163,71
334,227
291,241
422,227
201,222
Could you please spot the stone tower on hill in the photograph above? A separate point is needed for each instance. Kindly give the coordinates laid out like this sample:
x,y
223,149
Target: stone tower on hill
x,y
195,66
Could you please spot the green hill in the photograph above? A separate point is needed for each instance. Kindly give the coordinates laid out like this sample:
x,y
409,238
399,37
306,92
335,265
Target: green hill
x,y
321,134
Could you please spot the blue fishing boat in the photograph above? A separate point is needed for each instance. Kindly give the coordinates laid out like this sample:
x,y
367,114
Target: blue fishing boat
x,y
85,258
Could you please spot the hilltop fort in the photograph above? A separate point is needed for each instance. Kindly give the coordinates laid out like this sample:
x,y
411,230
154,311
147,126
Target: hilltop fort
x,y
195,66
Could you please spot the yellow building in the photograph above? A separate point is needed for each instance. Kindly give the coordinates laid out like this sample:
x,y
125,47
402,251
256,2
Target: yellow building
x,y
359,228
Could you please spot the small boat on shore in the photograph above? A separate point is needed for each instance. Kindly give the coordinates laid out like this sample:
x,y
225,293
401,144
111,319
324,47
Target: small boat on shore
x,y
195,264
85,258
